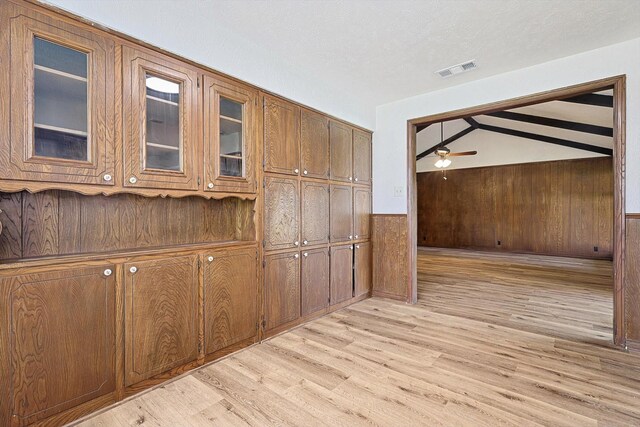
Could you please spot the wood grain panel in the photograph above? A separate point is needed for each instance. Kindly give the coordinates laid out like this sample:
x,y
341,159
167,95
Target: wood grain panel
x,y
340,143
341,213
281,213
314,144
390,254
39,224
11,219
161,318
361,213
341,273
281,136
314,282
361,157
554,208
315,213
632,279
281,289
230,298
362,268
62,339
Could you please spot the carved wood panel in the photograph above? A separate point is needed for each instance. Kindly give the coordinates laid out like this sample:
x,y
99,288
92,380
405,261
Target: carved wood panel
x,y
341,213
361,157
341,273
314,282
281,213
281,136
362,268
315,213
340,142
314,144
281,289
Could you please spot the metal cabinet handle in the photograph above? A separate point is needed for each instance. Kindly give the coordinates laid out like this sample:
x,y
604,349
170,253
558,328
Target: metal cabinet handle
x,y
210,258
305,242
356,179
107,272
357,246
210,185
350,247
296,170
296,243
306,254
350,178
296,256
304,172
133,180
356,236
107,177
350,236
133,269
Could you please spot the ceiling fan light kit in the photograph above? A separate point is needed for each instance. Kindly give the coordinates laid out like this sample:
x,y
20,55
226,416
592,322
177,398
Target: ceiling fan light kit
x,y
444,152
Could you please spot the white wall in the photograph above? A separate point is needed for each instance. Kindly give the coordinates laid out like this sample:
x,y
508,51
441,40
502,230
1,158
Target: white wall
x,y
390,138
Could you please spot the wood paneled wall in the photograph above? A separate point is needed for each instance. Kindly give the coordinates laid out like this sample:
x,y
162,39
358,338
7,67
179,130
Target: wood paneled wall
x,y
557,208
62,222
632,281
390,257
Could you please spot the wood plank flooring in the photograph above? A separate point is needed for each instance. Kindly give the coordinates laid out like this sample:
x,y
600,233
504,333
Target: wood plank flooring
x,y
385,363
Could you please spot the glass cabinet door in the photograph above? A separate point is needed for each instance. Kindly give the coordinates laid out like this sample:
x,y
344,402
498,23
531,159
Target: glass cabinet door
x,y
229,128
163,143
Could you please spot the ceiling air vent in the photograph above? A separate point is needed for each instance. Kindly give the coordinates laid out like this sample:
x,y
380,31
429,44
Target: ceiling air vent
x,y
457,69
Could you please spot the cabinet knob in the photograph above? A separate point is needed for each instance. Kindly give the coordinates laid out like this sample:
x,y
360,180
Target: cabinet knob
x,y
356,236
133,180
296,256
133,269
107,177
296,170
210,185
351,247
350,178
357,246
305,243
356,179
296,243
210,258
306,254
304,172
107,272
350,237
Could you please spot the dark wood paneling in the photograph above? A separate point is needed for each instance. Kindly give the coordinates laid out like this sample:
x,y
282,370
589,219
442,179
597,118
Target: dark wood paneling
x,y
632,278
281,136
281,289
341,273
341,213
390,256
340,142
314,282
314,144
281,213
556,208
362,268
315,213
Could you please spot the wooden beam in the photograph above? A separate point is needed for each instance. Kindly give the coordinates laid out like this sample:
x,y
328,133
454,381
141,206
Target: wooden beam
x,y
591,99
445,142
548,139
422,127
557,123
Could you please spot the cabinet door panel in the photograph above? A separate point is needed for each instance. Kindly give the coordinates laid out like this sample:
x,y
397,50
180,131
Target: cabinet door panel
x,y
361,213
282,289
341,273
61,120
341,213
281,136
282,213
230,298
315,213
362,270
61,341
361,157
161,318
340,142
161,140
229,130
314,144
314,283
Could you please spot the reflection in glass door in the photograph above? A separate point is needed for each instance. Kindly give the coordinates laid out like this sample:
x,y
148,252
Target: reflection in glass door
x,y
231,138
163,145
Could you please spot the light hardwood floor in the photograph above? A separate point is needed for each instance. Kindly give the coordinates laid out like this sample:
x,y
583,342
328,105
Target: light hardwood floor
x,y
449,360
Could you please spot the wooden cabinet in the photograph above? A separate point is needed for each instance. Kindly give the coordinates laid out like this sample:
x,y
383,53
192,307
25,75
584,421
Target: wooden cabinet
x,y
230,297
314,144
281,289
340,142
281,136
58,347
229,133
161,315
341,213
315,213
160,107
57,105
341,273
361,213
362,268
361,157
314,282
281,213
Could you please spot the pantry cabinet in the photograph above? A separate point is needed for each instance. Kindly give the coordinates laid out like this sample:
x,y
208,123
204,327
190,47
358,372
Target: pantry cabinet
x,y
281,289
314,282
361,213
314,144
341,273
281,136
340,141
362,269
315,213
361,157
341,204
281,213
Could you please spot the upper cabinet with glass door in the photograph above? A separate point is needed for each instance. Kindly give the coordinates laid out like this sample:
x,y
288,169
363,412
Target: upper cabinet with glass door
x,y
229,129
161,105
61,107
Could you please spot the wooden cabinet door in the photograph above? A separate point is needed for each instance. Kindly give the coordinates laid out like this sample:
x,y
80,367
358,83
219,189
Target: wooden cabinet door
x,y
341,213
361,157
281,213
362,268
314,283
281,289
229,133
361,213
315,213
57,104
281,136
59,342
314,144
161,107
340,142
341,273
230,297
161,316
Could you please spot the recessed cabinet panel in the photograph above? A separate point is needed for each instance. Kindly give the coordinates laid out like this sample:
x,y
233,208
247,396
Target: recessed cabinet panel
x,y
315,213
340,141
314,144
160,99
62,339
61,107
314,282
341,213
230,298
281,213
281,136
341,273
281,288
229,136
361,157
361,213
161,316
362,268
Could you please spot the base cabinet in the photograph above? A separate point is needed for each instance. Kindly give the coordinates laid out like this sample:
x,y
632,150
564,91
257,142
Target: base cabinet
x,y
60,339
314,283
161,316
341,273
281,289
362,268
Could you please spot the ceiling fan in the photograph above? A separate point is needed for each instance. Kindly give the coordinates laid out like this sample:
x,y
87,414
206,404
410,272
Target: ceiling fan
x,y
444,153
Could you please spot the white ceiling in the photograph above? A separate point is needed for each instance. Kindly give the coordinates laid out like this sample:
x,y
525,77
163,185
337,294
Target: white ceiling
x,y
350,56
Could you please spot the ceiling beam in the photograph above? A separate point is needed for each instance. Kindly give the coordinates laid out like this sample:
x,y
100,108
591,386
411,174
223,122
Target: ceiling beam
x,y
556,123
591,99
422,127
445,142
548,139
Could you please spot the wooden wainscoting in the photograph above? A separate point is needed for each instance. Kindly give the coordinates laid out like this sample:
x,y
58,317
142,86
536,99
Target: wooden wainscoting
x,y
632,282
390,257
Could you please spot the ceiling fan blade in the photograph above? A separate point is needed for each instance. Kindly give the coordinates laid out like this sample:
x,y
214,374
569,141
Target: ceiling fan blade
x,y
464,153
